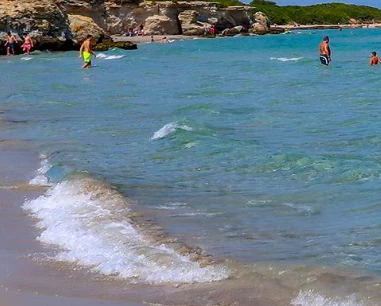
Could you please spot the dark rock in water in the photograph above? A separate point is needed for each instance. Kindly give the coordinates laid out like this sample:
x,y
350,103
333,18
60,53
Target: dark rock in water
x,y
233,31
276,30
126,45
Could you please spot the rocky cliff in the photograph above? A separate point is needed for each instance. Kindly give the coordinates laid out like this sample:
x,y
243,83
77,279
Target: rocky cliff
x,y
63,24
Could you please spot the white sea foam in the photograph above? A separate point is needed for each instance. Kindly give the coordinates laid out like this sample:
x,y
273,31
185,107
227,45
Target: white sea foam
x,y
109,57
169,128
300,208
311,298
41,177
90,223
172,205
286,59
26,58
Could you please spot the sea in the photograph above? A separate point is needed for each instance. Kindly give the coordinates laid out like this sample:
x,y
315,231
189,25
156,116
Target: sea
x,y
238,163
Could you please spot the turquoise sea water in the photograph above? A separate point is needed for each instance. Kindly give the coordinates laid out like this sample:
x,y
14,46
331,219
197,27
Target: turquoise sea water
x,y
245,147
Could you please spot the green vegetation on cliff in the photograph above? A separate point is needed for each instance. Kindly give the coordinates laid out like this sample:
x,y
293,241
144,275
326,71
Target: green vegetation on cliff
x,y
330,13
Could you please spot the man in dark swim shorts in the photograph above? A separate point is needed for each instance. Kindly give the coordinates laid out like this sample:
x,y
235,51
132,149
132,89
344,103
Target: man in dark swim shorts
x,y
10,43
325,51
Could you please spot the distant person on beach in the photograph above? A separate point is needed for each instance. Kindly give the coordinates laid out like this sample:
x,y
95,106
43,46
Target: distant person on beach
x,y
374,60
10,43
164,40
27,45
212,31
152,40
325,51
86,52
141,27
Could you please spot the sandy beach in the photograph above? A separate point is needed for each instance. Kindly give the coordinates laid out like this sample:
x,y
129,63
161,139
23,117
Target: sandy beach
x,y
26,278
141,39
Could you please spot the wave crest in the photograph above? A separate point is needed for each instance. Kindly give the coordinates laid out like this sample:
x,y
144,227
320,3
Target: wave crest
x,y
286,59
168,129
92,224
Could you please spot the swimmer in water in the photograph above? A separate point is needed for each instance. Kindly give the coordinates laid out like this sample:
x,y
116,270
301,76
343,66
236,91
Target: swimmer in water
x,y
374,60
325,51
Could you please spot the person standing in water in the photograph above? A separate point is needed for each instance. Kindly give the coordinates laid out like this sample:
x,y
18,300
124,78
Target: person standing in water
x,y
86,52
325,51
374,60
27,45
10,43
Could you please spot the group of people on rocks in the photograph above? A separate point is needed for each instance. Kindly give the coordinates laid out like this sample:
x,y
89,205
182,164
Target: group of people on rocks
x,y
11,44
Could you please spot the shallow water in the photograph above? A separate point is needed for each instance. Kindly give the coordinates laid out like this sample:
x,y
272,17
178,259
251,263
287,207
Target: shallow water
x,y
245,147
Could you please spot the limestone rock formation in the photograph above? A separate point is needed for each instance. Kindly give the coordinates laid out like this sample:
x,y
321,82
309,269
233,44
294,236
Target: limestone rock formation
x,y
80,26
42,19
190,24
158,25
233,31
64,24
261,25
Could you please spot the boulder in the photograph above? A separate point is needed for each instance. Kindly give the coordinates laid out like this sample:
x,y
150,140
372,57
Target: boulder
x,y
81,26
233,31
126,45
159,25
276,30
259,29
261,25
188,17
190,24
262,19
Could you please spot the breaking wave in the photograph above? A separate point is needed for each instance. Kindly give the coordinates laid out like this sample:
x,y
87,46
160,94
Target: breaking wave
x,y
286,59
168,129
41,178
109,57
93,226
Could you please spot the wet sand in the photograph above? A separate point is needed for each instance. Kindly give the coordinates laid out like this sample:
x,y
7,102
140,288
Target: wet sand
x,y
24,279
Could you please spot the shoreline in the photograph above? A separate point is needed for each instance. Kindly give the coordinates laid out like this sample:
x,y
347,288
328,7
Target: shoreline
x,y
326,26
146,39
26,276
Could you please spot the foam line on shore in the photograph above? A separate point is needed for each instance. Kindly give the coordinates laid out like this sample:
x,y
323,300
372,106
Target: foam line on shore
x,y
309,298
92,225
